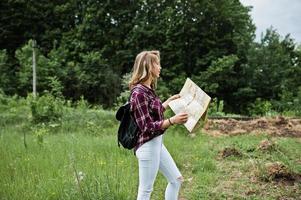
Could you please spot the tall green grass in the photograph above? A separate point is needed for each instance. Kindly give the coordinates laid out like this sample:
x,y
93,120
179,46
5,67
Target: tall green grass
x,y
77,157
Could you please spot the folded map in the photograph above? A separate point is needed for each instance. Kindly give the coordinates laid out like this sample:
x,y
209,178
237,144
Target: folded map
x,y
193,101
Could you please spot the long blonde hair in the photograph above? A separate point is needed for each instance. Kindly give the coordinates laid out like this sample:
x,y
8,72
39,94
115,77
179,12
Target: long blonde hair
x,y
143,66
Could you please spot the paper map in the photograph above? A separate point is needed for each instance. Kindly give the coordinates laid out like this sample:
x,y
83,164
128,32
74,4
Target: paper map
x,y
194,101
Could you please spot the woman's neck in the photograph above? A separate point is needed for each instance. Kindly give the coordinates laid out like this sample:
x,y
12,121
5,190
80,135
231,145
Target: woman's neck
x,y
147,83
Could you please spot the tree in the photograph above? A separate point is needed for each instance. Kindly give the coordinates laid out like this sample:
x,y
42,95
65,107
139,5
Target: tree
x,y
217,79
271,68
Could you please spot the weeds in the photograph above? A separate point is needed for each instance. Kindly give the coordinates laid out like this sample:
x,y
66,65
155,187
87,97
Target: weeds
x,y
98,169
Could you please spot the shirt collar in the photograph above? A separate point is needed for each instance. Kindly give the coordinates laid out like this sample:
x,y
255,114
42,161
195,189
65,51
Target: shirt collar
x,y
145,88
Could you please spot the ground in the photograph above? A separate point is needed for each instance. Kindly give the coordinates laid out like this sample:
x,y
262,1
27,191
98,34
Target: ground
x,y
278,126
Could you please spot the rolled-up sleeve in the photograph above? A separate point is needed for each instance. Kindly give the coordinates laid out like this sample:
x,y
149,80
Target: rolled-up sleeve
x,y
140,108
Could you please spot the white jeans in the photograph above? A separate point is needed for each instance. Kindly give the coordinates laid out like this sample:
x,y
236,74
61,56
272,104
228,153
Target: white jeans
x,y
153,156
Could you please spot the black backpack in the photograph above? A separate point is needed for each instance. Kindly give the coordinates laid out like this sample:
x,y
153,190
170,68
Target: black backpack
x,y
128,129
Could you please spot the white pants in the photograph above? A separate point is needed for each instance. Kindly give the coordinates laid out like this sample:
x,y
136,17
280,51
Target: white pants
x,y
153,156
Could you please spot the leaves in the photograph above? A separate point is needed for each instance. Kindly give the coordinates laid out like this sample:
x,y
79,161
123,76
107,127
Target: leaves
x,y
85,47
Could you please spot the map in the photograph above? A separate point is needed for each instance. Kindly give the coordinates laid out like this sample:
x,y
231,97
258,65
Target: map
x,y
193,101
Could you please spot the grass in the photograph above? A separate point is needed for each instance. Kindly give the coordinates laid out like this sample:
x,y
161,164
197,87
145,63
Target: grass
x,y
83,146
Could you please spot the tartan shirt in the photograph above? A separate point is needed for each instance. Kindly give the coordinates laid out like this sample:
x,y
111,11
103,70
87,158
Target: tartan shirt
x,y
147,110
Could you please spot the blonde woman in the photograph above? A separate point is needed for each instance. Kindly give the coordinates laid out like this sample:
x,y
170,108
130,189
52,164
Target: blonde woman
x,y
148,111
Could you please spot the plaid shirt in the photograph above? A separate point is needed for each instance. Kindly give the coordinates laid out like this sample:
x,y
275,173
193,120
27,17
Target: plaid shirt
x,y
148,113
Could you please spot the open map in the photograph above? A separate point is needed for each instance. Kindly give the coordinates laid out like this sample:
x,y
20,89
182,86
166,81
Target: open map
x,y
194,101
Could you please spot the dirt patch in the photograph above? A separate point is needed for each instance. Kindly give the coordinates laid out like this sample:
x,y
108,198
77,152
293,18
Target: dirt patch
x,y
229,152
278,172
279,126
266,145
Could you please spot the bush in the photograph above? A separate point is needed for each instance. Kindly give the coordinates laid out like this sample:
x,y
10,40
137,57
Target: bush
x,y
260,107
289,104
3,98
40,132
216,107
45,108
13,109
124,95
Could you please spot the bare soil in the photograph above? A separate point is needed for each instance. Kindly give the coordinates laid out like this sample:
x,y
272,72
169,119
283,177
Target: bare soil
x,y
229,152
278,172
279,126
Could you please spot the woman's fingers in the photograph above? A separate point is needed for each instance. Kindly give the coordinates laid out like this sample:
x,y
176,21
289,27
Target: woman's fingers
x,y
180,118
183,117
176,96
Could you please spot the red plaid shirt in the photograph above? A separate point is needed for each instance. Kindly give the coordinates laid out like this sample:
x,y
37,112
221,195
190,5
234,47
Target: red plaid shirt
x,y
148,113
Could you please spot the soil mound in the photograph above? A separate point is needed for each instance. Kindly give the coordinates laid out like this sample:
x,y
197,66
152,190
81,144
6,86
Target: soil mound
x,y
279,126
266,145
229,152
279,173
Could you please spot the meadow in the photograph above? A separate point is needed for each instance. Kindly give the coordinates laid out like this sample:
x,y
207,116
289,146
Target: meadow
x,y
77,157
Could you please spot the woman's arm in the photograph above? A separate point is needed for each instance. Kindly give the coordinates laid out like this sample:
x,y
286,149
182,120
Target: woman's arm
x,y
180,118
144,120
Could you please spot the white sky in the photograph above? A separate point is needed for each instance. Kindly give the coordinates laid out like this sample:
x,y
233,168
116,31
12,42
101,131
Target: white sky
x,y
283,15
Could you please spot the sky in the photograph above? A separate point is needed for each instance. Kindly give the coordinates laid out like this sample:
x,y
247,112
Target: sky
x,y
283,15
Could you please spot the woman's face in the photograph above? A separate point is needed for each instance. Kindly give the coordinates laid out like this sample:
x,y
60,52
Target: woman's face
x,y
156,69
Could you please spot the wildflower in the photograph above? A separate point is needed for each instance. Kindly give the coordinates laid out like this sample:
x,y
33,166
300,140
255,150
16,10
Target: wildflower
x,y
79,177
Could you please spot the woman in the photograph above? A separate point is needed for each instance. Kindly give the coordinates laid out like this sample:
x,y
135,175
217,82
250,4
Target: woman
x,y
148,111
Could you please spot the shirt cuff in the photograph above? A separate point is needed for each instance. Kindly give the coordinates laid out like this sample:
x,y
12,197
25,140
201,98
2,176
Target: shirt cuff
x,y
161,123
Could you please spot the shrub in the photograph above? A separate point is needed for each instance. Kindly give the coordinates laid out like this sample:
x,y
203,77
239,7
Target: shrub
x,y
260,107
216,107
40,132
3,98
289,104
45,108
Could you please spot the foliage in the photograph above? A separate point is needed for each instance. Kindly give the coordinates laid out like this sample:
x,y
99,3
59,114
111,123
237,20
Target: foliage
x,y
273,66
97,80
219,79
14,110
88,46
71,158
289,103
24,75
216,108
40,132
45,108
260,107
4,75
124,95
87,53
56,87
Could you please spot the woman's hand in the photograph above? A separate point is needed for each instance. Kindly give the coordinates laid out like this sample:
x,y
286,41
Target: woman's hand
x,y
176,96
180,118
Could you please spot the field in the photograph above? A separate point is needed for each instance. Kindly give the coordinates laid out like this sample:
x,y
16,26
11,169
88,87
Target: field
x,y
78,158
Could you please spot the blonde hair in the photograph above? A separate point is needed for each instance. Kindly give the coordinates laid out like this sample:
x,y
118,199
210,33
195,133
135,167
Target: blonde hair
x,y
143,66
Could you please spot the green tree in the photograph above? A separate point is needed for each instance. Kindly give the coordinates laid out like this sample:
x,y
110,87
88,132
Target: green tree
x,y
44,21
272,67
4,70
24,75
218,79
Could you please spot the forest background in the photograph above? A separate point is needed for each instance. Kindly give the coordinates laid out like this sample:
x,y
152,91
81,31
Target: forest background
x,y
86,49
62,143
